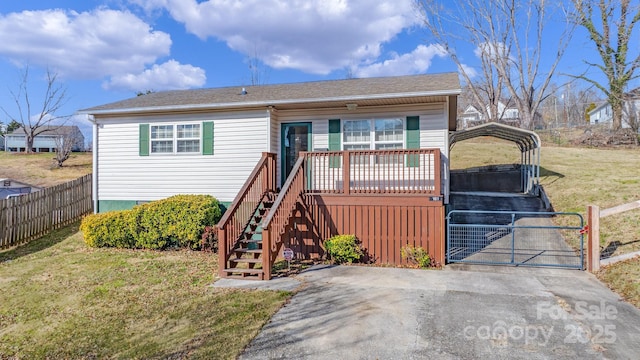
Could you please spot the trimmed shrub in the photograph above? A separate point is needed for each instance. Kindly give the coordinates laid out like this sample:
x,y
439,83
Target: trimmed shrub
x,y
344,249
178,221
111,229
416,256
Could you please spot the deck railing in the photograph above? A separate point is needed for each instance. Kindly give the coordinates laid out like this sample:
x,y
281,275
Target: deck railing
x,y
277,220
374,172
235,219
365,172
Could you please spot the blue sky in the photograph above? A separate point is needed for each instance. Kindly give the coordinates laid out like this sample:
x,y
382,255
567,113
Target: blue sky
x,y
107,50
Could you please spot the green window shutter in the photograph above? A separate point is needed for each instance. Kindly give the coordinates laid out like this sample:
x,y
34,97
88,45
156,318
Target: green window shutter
x,y
412,138
335,135
144,139
207,138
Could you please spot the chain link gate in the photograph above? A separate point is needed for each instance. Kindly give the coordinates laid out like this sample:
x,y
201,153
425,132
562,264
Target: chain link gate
x,y
515,238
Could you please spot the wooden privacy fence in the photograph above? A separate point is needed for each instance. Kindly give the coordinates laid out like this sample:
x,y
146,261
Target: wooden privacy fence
x,y
594,214
28,217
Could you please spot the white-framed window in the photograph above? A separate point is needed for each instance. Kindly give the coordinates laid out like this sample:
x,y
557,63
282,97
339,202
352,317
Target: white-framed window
x,y
374,134
161,139
188,138
175,139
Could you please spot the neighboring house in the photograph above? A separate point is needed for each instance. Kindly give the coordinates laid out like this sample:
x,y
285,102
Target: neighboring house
x,y
603,113
1,143
359,156
470,117
508,115
46,139
10,187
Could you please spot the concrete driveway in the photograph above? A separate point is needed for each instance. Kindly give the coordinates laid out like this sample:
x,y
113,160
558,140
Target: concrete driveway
x,y
462,312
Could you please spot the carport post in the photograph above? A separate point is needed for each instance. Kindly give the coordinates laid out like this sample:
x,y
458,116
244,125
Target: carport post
x,y
593,243
513,238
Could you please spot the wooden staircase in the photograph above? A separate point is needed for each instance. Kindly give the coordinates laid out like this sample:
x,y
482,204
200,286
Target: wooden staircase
x,y
245,260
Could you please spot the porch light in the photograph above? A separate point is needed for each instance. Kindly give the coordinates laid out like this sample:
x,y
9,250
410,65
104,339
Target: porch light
x,y
352,106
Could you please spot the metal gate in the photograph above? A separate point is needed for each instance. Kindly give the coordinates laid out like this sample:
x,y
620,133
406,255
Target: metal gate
x,y
515,238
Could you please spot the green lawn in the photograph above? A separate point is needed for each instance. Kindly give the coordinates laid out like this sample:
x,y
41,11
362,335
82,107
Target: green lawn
x,y
61,299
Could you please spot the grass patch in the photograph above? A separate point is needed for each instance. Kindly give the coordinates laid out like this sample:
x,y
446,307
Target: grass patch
x,y
36,169
624,278
60,299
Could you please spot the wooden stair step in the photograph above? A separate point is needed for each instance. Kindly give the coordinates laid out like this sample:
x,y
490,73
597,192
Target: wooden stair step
x,y
243,271
248,251
246,260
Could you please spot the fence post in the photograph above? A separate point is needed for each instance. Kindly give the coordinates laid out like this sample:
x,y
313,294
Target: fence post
x,y
266,253
346,172
222,251
593,246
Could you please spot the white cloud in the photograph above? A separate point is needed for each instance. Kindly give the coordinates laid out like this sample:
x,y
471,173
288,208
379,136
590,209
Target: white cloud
x,y
168,76
470,71
415,62
85,45
316,36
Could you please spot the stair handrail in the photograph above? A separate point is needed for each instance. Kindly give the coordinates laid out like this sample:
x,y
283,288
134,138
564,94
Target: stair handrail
x,y
277,218
261,180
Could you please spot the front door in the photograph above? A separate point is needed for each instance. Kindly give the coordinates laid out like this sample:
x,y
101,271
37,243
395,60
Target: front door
x,y
296,137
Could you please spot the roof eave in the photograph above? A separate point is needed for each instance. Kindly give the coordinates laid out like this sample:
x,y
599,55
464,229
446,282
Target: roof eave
x,y
254,104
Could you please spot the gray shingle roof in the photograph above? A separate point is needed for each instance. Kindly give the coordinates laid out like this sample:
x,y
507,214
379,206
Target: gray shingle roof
x,y
263,95
49,130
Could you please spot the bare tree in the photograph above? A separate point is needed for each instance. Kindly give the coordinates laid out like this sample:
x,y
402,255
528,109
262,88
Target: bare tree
x,y
65,143
508,36
610,31
67,140
489,104
577,103
257,69
37,120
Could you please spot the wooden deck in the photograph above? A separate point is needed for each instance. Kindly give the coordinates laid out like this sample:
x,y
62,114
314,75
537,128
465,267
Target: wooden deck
x,y
387,198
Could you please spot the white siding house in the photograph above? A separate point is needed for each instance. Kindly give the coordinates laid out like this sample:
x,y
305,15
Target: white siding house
x,y
506,114
127,178
603,113
46,140
470,117
208,141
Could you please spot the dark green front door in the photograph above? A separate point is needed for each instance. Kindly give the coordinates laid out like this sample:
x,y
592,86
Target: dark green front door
x,y
296,137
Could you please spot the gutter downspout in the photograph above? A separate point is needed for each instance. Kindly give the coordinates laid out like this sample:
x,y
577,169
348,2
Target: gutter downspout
x,y
94,152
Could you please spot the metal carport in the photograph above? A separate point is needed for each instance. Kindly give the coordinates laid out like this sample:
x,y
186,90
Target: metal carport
x,y
527,141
